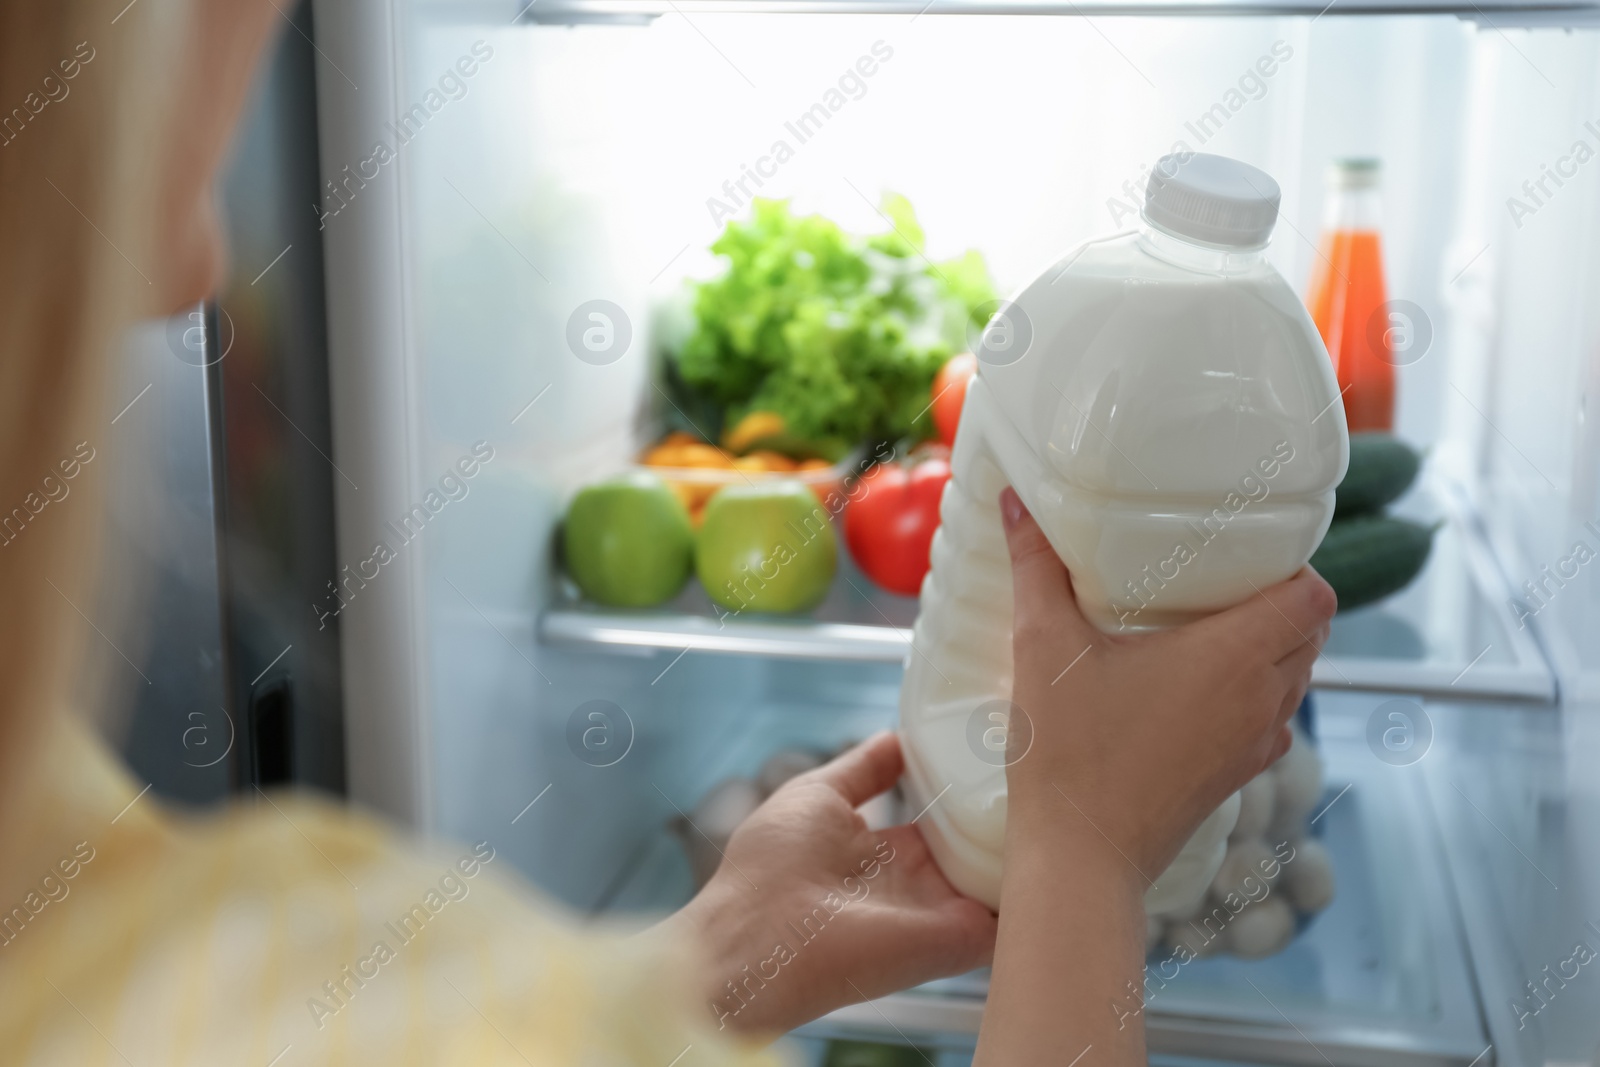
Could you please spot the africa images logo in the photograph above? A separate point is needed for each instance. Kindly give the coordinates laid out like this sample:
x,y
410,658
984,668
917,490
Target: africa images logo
x,y
451,86
454,485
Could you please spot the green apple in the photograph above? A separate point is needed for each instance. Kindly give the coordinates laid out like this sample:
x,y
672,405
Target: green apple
x,y
628,542
870,1054
766,546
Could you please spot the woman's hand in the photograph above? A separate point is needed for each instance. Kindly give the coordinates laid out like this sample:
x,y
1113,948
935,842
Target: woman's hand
x,y
1144,735
1133,740
810,910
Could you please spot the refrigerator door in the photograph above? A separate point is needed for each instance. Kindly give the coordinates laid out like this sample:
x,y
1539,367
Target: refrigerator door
x,y
373,382
268,371
221,528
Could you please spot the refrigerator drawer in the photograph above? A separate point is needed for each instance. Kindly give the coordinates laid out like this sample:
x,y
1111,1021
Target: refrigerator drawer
x,y
1380,979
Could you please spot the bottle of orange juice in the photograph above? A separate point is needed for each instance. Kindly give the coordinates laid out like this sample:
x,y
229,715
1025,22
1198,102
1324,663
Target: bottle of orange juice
x,y
1347,298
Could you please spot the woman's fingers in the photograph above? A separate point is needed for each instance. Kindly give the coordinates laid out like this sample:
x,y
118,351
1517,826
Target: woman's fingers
x,y
1280,618
1296,666
1281,745
1317,641
1296,692
864,771
1041,587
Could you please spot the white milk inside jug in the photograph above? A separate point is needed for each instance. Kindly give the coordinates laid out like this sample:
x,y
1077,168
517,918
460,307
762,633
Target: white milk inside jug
x,y
1164,406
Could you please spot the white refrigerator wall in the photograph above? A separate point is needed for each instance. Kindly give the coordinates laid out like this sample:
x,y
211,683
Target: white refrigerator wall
x,y
1526,376
1522,296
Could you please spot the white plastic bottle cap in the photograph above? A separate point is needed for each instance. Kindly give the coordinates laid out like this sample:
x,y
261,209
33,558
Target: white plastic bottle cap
x,y
1213,200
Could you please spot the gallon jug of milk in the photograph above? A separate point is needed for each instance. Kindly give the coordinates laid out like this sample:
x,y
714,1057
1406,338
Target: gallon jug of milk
x,y
1164,406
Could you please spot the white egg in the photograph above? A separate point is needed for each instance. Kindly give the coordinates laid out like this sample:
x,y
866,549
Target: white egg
x,y
1193,937
705,831
1244,870
783,765
1308,878
1261,929
1299,786
724,807
1187,876
1187,910
1256,801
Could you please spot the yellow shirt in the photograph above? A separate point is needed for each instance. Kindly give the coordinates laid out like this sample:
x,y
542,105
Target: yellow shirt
x,y
289,932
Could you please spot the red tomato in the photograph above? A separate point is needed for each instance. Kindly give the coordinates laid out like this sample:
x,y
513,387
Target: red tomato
x,y
890,520
950,392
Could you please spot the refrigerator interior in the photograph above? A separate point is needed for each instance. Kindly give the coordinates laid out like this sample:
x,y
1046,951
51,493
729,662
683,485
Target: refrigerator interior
x,y
598,161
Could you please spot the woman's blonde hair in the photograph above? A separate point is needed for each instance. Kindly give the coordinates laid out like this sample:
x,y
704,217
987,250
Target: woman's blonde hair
x,y
83,85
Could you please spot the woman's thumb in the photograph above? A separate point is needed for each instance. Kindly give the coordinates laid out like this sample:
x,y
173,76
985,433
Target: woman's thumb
x,y
1041,586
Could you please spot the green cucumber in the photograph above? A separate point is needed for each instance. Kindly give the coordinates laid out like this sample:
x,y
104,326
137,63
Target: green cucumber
x,y
1368,557
1382,467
